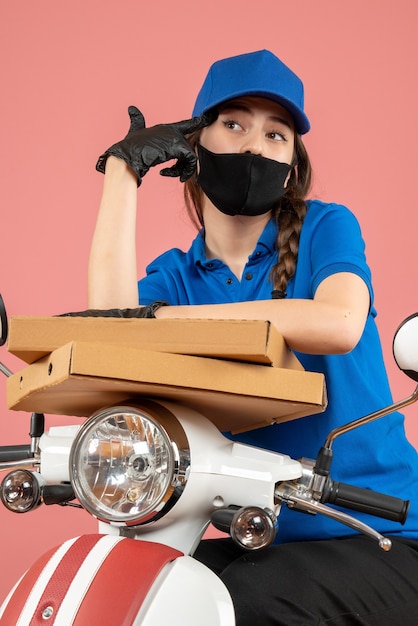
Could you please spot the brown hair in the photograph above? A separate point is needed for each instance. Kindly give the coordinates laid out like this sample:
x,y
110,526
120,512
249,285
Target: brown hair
x,y
289,214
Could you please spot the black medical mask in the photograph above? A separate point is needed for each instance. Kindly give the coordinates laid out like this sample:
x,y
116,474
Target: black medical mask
x,y
241,184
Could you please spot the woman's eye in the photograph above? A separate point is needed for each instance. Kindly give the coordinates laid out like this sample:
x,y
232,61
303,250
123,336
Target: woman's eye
x,y
276,135
231,124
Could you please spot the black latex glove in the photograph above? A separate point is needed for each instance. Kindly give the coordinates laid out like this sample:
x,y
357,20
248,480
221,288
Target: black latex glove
x,y
143,311
144,147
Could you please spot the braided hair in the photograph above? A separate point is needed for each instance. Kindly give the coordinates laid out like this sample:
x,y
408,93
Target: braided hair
x,y
289,217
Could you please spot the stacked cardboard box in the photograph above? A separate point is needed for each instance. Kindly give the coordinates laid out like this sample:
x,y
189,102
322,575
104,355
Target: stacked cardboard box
x,y
240,374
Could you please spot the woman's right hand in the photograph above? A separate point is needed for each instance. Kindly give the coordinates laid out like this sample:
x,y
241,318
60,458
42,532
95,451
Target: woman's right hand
x,y
143,147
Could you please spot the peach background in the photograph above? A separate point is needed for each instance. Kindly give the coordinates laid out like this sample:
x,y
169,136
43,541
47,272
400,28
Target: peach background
x,y
69,72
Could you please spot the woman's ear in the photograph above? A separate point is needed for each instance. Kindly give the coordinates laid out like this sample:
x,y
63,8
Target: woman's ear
x,y
294,165
288,177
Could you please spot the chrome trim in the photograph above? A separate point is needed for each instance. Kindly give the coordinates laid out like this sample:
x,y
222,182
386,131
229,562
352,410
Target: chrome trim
x,y
22,464
301,502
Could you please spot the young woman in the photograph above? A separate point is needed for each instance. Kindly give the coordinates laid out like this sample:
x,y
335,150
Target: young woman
x,y
265,252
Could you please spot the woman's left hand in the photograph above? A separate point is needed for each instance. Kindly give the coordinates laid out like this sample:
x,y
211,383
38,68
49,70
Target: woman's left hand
x,y
143,147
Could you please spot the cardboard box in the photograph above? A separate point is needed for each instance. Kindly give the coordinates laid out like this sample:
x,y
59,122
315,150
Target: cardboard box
x,y
81,377
31,338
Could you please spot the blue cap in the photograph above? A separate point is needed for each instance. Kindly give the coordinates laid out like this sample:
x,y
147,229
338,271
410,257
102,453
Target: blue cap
x,y
258,73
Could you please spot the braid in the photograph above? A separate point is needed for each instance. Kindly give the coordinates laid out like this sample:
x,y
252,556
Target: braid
x,y
289,218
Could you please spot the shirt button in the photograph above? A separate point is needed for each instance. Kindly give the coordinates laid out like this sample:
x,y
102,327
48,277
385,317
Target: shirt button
x,y
210,264
229,281
248,276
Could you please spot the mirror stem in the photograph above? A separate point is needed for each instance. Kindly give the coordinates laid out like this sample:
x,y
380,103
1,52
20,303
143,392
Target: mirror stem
x,y
370,418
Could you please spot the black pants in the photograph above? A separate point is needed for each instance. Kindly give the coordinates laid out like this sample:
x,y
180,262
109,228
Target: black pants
x,y
337,582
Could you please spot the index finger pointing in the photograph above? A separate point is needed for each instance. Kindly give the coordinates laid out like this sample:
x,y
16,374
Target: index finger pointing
x,y
195,123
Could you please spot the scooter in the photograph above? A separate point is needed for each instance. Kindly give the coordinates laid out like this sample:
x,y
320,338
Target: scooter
x,y
155,474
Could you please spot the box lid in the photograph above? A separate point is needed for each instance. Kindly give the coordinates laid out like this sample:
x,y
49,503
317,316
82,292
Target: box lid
x,y
31,338
81,377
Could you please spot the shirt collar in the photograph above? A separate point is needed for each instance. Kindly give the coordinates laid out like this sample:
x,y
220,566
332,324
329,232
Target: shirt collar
x,y
265,245
267,241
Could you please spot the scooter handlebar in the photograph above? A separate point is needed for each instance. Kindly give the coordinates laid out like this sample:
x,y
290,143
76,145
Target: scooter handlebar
x,y
366,501
9,454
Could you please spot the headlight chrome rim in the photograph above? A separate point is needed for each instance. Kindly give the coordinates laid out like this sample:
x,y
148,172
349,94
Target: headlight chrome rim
x,y
142,461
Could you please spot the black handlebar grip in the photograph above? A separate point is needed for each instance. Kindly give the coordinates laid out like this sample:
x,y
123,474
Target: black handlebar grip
x,y
8,454
367,501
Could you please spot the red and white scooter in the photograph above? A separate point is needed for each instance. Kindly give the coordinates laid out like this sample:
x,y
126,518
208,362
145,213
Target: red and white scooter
x,y
155,474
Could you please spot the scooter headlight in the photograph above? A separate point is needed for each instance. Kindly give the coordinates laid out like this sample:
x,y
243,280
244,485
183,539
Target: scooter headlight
x,y
129,465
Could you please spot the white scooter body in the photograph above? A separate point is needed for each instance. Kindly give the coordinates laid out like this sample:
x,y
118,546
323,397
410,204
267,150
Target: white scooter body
x,y
159,581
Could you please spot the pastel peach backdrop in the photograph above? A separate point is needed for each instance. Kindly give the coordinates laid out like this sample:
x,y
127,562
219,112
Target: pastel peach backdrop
x,y
69,72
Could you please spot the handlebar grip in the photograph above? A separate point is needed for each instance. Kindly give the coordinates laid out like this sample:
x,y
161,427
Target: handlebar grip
x,y
8,454
367,501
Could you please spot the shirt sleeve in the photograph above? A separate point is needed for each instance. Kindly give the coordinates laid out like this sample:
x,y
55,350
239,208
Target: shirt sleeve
x,y
158,284
337,246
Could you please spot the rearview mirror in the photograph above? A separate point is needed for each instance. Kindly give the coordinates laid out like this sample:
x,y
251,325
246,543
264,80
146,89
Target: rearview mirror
x,y
4,327
405,346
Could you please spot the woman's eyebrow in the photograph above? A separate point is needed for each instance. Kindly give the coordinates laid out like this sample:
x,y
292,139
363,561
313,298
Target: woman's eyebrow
x,y
237,106
281,120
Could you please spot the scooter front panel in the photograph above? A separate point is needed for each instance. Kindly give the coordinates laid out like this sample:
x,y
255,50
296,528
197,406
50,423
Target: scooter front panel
x,y
187,593
91,579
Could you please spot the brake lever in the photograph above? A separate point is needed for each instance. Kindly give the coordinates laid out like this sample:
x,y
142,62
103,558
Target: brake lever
x,y
300,500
